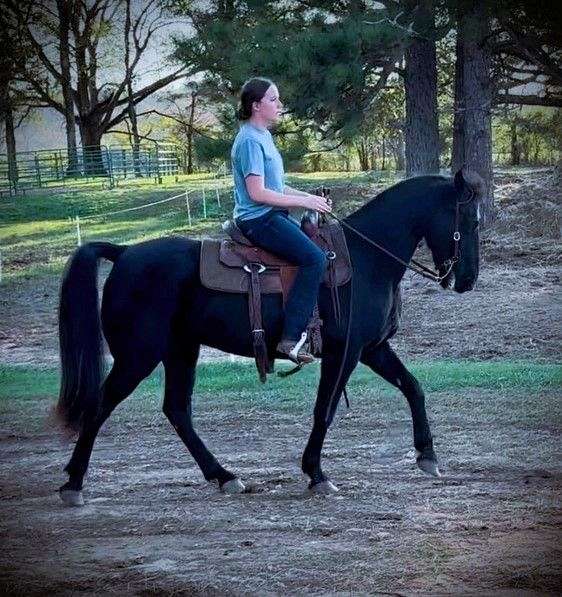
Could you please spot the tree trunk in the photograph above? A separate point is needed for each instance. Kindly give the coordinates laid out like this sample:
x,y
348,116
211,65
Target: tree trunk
x,y
515,149
91,146
420,80
362,154
135,133
64,7
131,110
457,152
400,156
190,135
7,75
472,138
372,157
8,117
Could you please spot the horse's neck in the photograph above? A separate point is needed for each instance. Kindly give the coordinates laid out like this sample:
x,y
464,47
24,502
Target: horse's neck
x,y
395,225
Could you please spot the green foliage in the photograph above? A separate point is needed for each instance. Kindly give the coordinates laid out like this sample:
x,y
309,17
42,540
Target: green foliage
x,y
326,68
527,135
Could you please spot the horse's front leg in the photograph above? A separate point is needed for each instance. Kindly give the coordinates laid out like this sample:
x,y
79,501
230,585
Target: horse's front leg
x,y
324,411
383,361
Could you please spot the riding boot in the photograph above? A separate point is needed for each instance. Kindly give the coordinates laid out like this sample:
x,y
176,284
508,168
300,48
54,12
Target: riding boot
x,y
295,350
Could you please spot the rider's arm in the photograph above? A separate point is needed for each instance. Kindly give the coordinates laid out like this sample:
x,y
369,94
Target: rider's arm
x,y
287,190
252,167
259,194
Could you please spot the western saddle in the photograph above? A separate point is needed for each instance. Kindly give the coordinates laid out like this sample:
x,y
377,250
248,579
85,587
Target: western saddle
x,y
234,265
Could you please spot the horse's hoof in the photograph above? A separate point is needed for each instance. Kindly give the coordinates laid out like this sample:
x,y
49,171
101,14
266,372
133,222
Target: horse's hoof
x,y
71,497
323,488
429,466
233,486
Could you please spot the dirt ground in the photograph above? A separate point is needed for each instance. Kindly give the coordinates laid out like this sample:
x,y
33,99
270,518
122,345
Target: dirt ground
x,y
152,525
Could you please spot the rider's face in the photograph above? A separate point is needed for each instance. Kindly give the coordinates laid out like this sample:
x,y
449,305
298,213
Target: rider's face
x,y
269,107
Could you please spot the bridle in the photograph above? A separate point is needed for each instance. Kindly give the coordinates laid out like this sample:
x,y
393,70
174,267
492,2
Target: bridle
x,y
416,266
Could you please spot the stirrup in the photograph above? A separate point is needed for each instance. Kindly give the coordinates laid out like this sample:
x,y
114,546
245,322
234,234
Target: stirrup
x,y
293,354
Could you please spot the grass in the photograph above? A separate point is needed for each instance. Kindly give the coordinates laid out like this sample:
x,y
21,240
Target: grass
x,y
506,393
38,231
234,380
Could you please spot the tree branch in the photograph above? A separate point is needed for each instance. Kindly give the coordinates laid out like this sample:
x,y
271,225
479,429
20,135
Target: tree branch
x,y
528,100
143,93
178,120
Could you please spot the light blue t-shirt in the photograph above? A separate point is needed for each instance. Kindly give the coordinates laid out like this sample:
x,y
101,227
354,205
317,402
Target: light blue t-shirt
x,y
253,152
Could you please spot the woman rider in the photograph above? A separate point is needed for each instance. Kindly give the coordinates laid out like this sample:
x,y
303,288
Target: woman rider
x,y
261,209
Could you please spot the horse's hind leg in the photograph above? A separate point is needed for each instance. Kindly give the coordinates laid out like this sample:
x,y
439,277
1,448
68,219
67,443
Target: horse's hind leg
x,y
120,383
384,361
180,378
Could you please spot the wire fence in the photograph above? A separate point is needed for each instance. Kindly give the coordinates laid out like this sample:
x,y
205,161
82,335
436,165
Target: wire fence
x,y
210,201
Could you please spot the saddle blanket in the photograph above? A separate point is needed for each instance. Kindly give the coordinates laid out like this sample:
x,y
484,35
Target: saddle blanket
x,y
221,264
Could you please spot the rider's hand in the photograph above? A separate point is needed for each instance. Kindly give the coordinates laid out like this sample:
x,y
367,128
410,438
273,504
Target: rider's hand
x,y
318,203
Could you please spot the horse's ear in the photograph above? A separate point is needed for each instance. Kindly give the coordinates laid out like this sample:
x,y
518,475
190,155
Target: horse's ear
x,y
467,179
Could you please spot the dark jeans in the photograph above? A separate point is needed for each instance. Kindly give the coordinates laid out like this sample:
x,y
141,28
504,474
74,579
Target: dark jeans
x,y
275,232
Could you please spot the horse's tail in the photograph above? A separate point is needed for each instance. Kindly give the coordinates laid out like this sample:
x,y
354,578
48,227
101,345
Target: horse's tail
x,y
80,336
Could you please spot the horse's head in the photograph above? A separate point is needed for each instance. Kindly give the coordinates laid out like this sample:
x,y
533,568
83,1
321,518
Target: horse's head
x,y
459,212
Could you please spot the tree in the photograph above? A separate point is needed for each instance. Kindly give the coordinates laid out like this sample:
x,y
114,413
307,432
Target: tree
x,y
472,130
190,119
65,10
526,42
99,107
330,60
14,104
131,111
7,68
420,82
527,135
382,134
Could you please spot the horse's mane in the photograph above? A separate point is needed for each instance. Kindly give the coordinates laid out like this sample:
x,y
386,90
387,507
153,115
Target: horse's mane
x,y
410,189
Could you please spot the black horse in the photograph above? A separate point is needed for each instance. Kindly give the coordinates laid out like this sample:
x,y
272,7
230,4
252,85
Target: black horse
x,y
154,309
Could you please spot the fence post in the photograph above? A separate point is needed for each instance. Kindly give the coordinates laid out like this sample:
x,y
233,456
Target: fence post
x,y
56,158
37,170
78,233
218,197
158,176
188,209
109,155
204,205
0,267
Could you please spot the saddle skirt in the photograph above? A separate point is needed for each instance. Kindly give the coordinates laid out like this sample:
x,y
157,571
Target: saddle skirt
x,y
222,262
